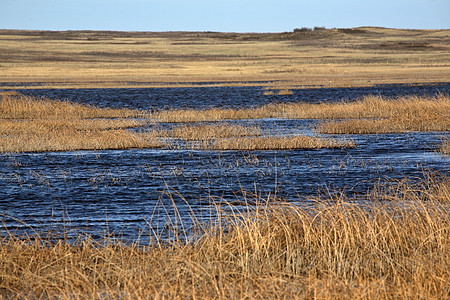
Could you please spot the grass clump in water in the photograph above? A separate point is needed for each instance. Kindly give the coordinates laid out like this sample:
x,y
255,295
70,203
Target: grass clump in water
x,y
276,143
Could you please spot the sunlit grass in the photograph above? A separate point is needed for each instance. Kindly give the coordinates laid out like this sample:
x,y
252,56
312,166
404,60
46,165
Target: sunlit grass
x,y
395,246
17,106
276,143
207,132
29,124
371,114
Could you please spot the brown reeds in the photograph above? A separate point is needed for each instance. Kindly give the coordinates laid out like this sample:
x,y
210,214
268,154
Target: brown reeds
x,y
210,131
30,124
18,106
275,143
331,249
410,108
390,125
70,140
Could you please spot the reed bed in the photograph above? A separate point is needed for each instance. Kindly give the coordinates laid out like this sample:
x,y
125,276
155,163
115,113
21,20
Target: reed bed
x,y
390,125
70,140
373,107
14,127
18,106
436,107
215,114
29,124
396,247
210,131
275,143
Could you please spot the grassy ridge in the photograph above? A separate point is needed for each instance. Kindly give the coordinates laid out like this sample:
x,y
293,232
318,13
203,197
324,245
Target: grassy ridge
x,y
398,247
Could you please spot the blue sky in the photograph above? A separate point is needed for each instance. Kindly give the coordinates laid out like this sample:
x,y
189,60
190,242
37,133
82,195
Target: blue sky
x,y
220,15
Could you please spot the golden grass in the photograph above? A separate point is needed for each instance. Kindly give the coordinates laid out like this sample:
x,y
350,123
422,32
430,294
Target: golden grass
x,y
403,115
28,124
391,125
207,132
285,92
275,143
336,249
72,139
213,114
15,127
372,107
17,106
334,57
398,115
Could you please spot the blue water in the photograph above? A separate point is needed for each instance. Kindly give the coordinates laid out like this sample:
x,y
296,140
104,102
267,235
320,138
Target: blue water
x,y
131,192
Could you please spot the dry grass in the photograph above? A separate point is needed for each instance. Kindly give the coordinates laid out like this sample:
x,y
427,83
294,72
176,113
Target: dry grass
x,y
372,107
403,115
337,249
335,57
214,114
275,143
72,139
409,113
391,125
17,106
207,132
28,124
16,127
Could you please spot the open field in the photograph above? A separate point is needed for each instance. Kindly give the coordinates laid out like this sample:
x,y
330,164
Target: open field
x,y
397,247
333,58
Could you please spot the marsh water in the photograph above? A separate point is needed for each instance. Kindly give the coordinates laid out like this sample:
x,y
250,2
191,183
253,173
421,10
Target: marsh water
x,y
132,192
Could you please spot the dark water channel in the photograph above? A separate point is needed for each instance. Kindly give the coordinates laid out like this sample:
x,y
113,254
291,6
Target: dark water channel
x,y
127,192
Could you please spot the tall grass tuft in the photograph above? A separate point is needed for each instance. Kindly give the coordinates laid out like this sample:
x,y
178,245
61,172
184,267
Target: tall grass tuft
x,y
395,245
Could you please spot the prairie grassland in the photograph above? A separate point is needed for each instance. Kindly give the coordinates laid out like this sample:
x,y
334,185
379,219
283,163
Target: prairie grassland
x,y
334,58
397,247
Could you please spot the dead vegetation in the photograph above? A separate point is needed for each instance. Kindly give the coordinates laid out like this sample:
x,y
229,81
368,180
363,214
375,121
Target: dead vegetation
x,y
28,124
276,142
398,247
